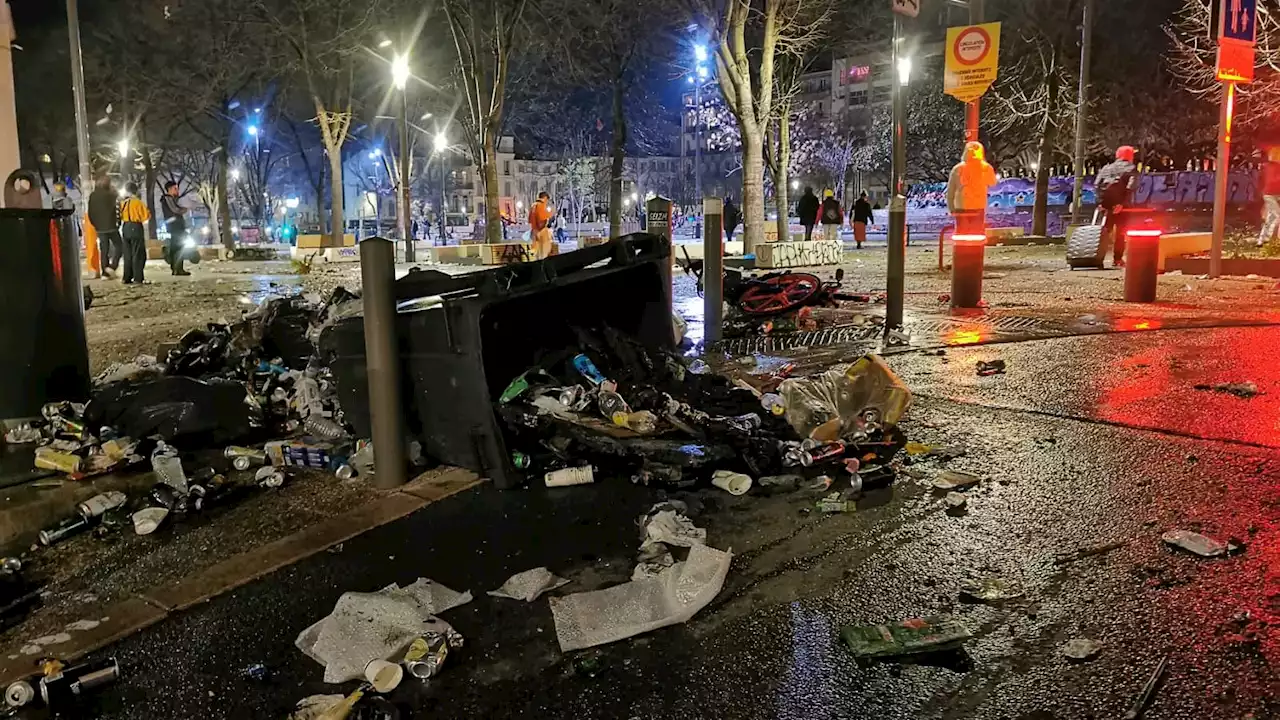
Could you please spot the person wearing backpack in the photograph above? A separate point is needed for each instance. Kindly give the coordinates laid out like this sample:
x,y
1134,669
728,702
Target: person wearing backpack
x,y
1114,185
832,216
732,218
862,217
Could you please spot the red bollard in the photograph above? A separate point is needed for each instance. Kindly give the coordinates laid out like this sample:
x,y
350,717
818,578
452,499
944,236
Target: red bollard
x,y
1141,264
968,260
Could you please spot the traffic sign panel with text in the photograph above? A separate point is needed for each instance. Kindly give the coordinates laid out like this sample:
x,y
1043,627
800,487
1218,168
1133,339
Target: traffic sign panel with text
x,y
973,60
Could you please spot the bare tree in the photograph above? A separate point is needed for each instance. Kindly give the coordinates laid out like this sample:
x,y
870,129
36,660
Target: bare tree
x,y
1035,93
748,36
1192,59
327,38
485,35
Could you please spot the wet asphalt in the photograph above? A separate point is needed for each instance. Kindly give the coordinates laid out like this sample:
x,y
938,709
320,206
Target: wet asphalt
x,y
1086,441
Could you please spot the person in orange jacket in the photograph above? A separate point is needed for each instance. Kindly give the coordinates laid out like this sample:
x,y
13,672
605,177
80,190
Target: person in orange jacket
x,y
540,226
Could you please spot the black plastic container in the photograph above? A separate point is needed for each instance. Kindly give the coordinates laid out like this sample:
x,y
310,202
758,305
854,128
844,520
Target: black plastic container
x,y
464,338
44,356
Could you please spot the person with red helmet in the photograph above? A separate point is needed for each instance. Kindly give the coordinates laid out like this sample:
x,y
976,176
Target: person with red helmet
x,y
1114,187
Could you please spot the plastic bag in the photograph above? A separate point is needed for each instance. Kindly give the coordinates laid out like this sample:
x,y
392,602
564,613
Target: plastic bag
x,y
174,407
835,404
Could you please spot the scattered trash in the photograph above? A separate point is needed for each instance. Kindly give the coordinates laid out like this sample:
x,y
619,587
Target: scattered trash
x,y
781,483
990,590
953,480
529,585
1086,552
19,694
147,520
990,367
383,676
588,619
589,664
570,476
61,685
426,655
731,482
846,403
836,503
1243,390
956,501
1194,543
375,626
23,434
668,526
909,637
1080,649
1144,698
313,707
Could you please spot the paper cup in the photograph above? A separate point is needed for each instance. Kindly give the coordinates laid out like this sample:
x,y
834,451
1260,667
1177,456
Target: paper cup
x,y
383,675
731,482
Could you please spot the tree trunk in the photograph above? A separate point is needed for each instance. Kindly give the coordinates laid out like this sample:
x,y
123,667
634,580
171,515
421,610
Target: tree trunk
x,y
1040,213
223,206
781,178
619,155
337,227
752,190
492,213
148,181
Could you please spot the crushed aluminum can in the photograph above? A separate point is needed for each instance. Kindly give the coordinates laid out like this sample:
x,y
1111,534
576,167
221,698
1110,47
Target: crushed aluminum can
x,y
19,694
269,477
345,472
50,459
426,655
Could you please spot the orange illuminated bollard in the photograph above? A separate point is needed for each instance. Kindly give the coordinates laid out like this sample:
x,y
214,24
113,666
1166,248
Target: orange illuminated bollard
x,y
968,259
1142,262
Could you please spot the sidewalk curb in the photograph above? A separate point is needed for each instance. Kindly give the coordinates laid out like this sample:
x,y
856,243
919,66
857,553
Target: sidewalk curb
x,y
154,605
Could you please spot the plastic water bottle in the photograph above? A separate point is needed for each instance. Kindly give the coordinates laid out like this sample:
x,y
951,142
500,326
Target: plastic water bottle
x,y
168,467
323,427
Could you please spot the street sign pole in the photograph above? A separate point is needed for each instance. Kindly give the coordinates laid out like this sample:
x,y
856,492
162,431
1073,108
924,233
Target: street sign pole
x,y
896,281
972,110
1220,178
1086,51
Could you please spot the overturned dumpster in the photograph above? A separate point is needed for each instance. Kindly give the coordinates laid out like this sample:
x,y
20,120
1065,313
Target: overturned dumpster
x,y
464,338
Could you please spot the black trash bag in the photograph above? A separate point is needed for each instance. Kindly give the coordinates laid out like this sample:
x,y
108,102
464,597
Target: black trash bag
x,y
277,329
199,413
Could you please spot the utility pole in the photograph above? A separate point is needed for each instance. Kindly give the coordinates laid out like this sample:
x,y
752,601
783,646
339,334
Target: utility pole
x,y
406,214
1082,106
972,114
900,68
1223,171
82,119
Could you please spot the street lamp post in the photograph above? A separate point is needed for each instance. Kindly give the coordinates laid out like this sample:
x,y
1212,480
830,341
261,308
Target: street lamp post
x,y
82,118
400,75
441,143
699,77
896,282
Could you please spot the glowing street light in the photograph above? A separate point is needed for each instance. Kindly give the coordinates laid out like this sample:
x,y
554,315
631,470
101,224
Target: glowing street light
x,y
375,153
441,142
795,184
123,147
235,174
400,71
904,71
702,72
700,53
291,203
253,130
386,43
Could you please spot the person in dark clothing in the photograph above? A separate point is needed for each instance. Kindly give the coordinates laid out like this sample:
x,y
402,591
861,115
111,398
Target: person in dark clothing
x,y
133,216
104,215
1115,185
732,218
176,222
862,217
807,209
832,217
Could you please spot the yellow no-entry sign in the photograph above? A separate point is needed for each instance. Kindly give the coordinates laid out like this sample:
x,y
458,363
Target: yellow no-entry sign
x,y
973,59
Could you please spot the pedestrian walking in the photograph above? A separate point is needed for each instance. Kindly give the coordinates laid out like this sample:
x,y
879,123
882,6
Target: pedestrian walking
x,y
133,216
104,213
832,217
1270,196
1114,187
540,217
176,222
732,218
862,217
561,226
967,188
807,209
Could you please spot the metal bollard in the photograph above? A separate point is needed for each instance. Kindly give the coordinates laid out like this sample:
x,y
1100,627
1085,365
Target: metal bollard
x,y
713,270
968,260
1141,264
382,359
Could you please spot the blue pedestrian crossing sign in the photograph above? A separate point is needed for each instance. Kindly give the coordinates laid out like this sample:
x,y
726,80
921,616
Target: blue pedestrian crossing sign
x,y
1237,20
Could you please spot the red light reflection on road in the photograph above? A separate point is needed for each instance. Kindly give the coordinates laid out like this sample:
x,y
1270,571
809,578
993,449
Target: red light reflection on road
x,y
1132,324
967,336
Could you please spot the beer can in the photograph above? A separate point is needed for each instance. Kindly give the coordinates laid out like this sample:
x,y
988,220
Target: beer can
x,y
520,460
50,459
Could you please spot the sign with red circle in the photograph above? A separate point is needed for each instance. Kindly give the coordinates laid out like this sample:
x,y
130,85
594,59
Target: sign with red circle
x,y
972,45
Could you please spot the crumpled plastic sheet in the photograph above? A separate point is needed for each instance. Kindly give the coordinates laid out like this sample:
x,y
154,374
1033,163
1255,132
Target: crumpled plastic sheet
x,y
588,619
829,405
529,585
376,626
140,368
672,528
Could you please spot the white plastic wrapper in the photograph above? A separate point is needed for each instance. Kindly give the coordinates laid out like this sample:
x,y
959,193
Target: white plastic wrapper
x,y
529,585
676,594
376,626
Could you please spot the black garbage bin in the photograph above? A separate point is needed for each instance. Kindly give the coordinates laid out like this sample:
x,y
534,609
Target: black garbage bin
x,y
464,338
44,356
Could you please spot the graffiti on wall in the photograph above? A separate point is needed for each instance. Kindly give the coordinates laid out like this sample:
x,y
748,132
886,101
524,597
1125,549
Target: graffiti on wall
x,y
800,254
1169,189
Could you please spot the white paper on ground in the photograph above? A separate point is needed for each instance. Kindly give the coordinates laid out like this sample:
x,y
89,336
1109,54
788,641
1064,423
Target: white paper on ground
x,y
376,626
528,585
672,528
588,619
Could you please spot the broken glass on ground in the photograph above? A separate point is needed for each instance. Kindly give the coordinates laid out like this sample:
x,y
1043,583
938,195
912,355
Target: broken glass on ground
x,y
1194,543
